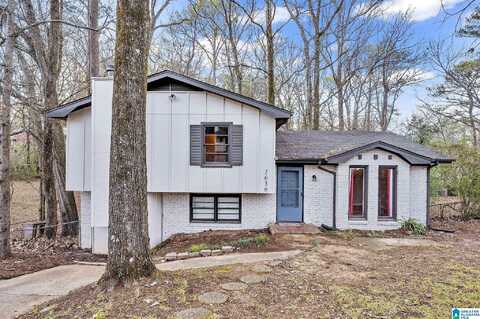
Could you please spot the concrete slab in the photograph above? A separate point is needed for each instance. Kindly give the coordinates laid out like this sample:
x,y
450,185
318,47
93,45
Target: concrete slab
x,y
215,261
20,294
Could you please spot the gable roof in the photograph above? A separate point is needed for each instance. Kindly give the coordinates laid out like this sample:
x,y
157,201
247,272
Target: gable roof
x,y
62,111
338,147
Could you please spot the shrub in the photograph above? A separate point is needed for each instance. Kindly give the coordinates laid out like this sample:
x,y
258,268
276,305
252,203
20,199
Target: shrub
x,y
462,177
243,242
196,248
261,240
413,226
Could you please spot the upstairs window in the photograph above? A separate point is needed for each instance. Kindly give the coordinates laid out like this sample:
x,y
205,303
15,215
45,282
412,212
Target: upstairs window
x,y
357,193
215,144
387,192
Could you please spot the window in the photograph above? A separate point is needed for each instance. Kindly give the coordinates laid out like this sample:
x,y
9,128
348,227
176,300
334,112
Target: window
x,y
215,208
387,191
357,192
215,144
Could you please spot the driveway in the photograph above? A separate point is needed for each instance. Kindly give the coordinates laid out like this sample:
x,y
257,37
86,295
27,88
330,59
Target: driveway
x,y
20,294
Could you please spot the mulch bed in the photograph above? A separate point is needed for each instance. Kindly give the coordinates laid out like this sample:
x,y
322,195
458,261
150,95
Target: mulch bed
x,y
183,242
39,254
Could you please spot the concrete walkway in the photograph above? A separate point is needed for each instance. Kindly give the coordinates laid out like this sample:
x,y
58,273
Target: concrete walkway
x,y
229,259
19,295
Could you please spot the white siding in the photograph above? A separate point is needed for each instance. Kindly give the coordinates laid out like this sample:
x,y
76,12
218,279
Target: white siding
x,y
101,132
168,145
78,151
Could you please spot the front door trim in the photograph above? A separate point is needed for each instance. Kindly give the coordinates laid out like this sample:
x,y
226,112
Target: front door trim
x,y
302,188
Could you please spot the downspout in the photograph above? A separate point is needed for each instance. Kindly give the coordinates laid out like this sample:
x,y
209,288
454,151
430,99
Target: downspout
x,y
334,202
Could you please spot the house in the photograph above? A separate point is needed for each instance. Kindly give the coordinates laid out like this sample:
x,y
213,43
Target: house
x,y
218,160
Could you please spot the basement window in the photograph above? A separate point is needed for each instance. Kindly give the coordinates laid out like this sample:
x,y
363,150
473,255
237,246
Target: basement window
x,y
357,193
215,208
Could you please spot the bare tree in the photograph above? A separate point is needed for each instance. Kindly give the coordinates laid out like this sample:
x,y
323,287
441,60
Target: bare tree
x,y
93,39
5,109
128,241
457,97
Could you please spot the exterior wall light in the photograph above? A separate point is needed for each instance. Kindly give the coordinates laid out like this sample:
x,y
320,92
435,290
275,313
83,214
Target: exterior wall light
x,y
314,178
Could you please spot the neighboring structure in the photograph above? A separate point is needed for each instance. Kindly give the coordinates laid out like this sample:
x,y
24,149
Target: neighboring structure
x,y
214,158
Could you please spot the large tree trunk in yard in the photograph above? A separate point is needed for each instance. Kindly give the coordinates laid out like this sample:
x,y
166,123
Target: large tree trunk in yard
x,y
5,108
128,241
66,200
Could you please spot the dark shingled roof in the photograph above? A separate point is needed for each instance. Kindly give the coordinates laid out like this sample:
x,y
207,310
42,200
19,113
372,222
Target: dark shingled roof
x,y
334,147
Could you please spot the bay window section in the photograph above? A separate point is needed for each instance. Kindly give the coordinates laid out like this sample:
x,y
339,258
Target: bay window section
x,y
357,193
215,208
387,192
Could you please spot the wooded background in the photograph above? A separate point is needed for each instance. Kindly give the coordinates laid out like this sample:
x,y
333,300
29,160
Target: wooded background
x,y
345,69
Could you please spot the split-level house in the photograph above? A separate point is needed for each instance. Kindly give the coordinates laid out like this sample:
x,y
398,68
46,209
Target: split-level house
x,y
221,160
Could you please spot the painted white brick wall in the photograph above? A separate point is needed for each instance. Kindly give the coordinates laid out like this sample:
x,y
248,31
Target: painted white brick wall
x,y
258,210
318,196
85,220
418,197
410,185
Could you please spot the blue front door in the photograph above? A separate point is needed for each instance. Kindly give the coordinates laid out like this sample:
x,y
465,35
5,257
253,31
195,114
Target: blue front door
x,y
290,194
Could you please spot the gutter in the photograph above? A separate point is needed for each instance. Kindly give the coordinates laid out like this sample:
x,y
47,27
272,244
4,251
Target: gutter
x,y
334,204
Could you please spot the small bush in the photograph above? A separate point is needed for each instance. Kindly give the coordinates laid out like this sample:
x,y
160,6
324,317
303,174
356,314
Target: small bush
x,y
196,248
261,240
243,242
413,226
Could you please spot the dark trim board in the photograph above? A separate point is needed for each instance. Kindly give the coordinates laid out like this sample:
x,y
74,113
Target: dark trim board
x,y
303,194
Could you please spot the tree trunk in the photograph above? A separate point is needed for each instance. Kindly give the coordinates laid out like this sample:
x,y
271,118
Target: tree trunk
x,y
93,40
128,240
66,200
5,132
270,52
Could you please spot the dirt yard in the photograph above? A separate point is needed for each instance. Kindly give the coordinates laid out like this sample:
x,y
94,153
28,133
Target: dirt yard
x,y
338,276
35,255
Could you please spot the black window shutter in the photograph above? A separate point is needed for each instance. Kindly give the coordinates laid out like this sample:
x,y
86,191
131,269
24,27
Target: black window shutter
x,y
236,148
195,145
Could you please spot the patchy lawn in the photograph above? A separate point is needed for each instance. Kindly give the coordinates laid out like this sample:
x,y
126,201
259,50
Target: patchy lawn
x,y
351,276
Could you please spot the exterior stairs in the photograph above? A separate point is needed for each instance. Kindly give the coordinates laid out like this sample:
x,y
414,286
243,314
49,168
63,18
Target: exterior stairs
x,y
293,228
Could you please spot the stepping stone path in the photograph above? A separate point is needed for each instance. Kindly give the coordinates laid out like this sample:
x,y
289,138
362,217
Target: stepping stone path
x,y
193,313
253,279
212,298
233,286
261,269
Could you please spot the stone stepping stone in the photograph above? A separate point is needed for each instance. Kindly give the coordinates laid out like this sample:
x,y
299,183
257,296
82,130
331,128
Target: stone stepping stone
x,y
193,313
233,286
253,279
212,298
263,269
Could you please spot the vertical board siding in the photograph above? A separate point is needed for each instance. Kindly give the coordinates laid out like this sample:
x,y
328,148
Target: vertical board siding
x,y
78,151
171,168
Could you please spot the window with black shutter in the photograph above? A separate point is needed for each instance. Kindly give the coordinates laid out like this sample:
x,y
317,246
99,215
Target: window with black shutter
x,y
215,144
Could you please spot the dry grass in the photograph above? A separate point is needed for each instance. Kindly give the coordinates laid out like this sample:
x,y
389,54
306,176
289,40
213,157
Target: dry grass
x,y
25,201
358,277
